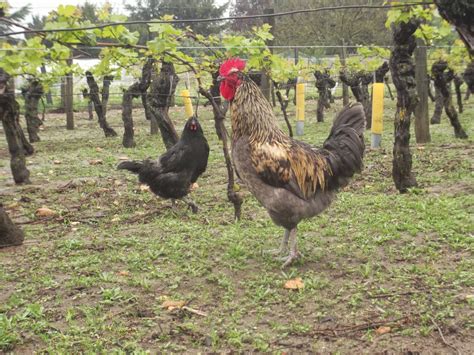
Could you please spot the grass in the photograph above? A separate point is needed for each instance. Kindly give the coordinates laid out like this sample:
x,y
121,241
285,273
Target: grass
x,y
94,277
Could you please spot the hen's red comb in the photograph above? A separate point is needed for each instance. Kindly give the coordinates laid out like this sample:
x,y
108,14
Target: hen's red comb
x,y
231,63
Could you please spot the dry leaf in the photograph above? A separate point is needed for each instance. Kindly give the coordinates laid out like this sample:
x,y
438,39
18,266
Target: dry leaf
x,y
13,205
57,162
95,162
123,158
98,149
45,212
118,183
123,273
170,304
383,330
144,188
294,284
194,186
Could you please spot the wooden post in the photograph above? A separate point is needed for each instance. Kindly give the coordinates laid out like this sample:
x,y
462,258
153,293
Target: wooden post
x,y
422,124
68,99
345,89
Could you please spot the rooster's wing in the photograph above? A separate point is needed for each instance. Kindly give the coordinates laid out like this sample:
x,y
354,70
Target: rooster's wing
x,y
292,165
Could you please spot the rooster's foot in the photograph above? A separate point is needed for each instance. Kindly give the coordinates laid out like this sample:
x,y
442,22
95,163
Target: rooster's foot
x,y
293,256
278,251
283,246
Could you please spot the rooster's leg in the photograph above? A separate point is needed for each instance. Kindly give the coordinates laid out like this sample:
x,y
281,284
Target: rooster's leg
x,y
191,204
294,253
283,246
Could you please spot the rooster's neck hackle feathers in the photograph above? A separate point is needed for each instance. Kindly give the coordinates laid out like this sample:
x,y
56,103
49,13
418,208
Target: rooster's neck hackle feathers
x,y
252,115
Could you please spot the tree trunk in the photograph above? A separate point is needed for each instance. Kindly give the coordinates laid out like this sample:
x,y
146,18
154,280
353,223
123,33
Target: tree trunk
x,y
422,123
457,87
358,82
10,234
442,78
135,90
428,88
381,72
438,110
389,89
460,14
291,84
158,100
32,94
94,95
283,106
365,80
403,76
219,115
324,83
9,115
468,77
106,82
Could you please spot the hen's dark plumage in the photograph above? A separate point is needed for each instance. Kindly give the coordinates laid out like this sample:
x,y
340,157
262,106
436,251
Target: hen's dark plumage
x,y
173,173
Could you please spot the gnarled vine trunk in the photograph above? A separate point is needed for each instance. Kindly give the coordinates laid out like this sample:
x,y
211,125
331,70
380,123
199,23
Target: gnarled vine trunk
x,y
438,109
283,105
32,94
457,88
324,84
9,115
442,76
106,82
158,100
359,84
98,105
403,76
10,234
138,89
219,115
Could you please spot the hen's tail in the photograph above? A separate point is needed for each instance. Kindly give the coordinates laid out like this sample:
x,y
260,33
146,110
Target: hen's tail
x,y
133,166
345,145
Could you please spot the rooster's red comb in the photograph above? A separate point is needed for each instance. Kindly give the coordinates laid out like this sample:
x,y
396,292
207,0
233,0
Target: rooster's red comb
x,y
236,63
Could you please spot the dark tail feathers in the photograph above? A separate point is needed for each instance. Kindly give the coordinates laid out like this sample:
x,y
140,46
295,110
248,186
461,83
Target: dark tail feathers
x,y
345,145
133,166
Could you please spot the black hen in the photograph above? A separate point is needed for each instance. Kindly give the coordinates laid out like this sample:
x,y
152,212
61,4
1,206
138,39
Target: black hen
x,y
172,175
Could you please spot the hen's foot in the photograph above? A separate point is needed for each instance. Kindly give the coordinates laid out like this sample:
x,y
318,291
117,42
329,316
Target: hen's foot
x,y
292,257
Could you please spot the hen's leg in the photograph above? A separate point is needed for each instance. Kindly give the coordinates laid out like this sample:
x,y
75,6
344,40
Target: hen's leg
x,y
283,246
294,253
191,204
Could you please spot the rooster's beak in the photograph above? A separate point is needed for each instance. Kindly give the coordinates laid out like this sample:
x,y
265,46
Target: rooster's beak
x,y
220,78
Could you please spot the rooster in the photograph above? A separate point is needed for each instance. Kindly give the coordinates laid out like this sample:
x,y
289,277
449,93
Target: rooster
x,y
172,175
291,179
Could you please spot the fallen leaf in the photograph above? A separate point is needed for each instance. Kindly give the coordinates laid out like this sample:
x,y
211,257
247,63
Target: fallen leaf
x,y
98,149
294,284
118,182
57,162
45,212
13,205
95,162
123,273
144,188
383,330
170,304
75,223
194,186
123,158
